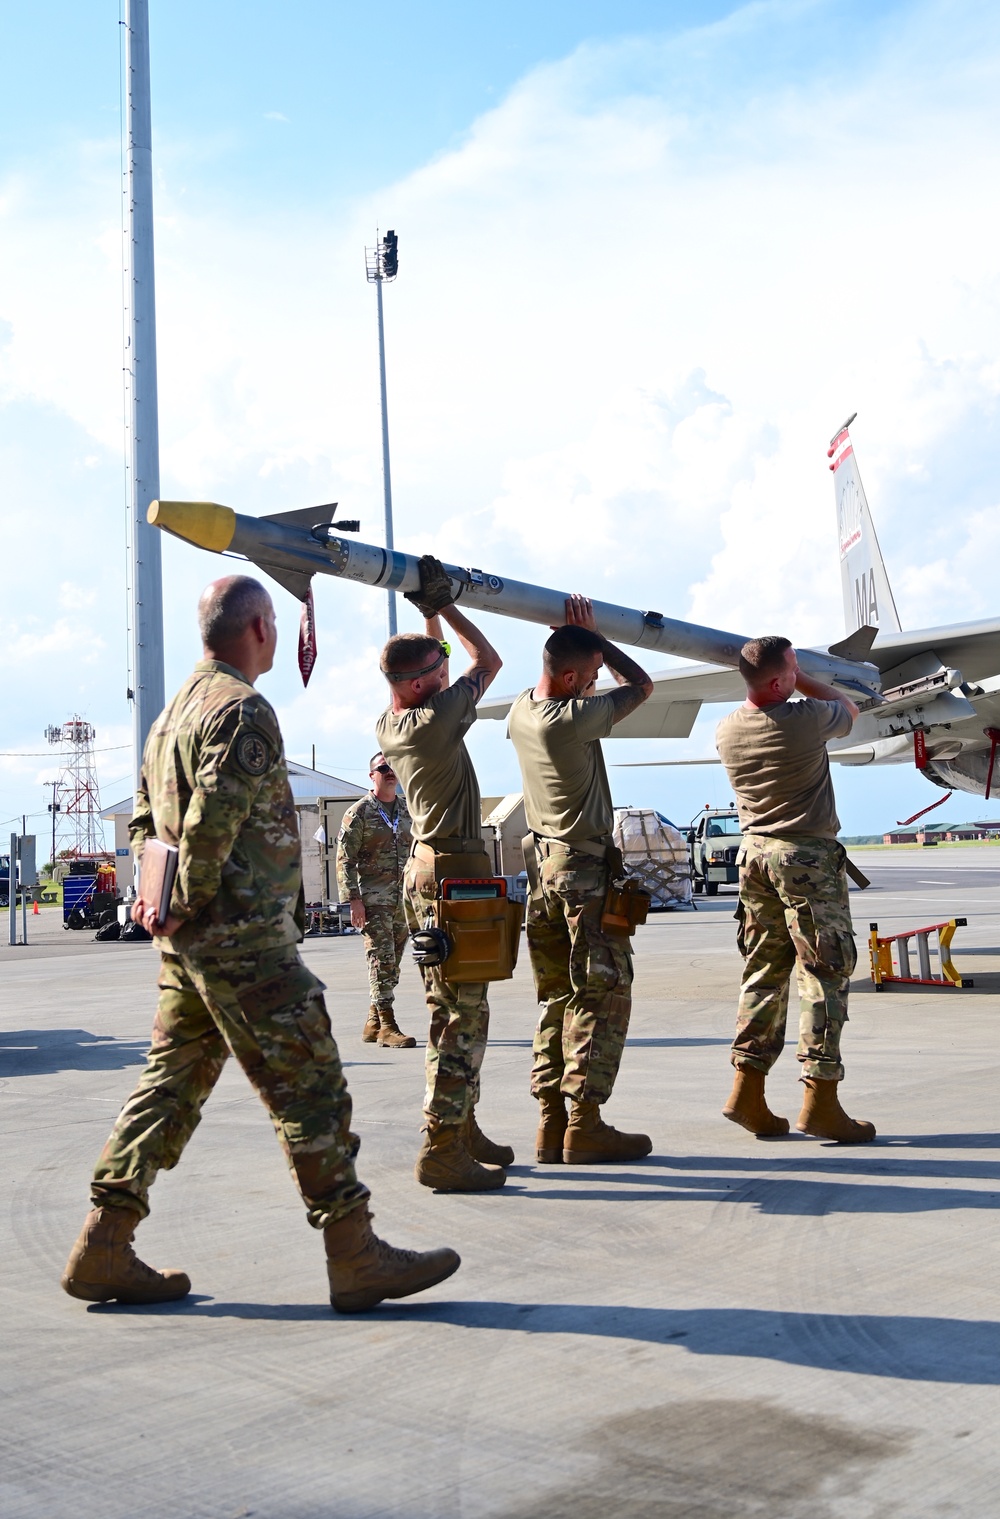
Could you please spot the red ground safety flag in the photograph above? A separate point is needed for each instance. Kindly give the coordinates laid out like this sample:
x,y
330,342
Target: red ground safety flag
x,y
307,638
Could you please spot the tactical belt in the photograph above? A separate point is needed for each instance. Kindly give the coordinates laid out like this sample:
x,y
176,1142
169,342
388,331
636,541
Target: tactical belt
x,y
599,848
428,849
609,853
858,876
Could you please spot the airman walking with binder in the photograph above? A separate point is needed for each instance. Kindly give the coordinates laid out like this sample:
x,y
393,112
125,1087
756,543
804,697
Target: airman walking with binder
x,y
583,972
214,784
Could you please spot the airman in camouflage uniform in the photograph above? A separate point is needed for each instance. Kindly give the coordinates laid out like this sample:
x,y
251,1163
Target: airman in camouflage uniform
x,y
583,975
795,916
421,734
372,848
214,784
794,909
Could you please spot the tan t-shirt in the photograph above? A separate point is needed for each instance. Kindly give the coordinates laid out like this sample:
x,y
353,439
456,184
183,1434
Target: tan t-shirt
x,y
777,762
424,746
566,791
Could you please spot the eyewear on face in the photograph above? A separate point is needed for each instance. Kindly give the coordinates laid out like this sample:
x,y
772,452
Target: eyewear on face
x,y
383,770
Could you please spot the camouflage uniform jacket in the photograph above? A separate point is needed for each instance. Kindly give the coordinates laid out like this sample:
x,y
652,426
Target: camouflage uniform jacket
x,y
370,854
214,782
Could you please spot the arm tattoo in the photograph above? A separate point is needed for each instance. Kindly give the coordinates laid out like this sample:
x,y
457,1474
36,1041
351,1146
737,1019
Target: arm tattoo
x,y
623,668
625,700
477,679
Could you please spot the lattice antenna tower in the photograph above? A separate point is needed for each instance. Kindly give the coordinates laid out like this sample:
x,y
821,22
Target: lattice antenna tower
x,y
79,830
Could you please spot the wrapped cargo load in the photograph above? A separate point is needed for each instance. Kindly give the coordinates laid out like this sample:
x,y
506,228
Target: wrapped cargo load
x,y
656,855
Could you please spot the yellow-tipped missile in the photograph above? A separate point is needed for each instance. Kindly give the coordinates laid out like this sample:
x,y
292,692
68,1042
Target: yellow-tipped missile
x,y
199,522
291,547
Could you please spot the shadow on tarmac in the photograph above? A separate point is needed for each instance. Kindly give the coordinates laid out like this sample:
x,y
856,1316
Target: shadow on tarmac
x,y
649,1044
781,1192
919,1349
787,1198
986,983
42,1052
785,1155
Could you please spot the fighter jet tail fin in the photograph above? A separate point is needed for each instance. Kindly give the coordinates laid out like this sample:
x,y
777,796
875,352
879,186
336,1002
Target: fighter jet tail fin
x,y
867,594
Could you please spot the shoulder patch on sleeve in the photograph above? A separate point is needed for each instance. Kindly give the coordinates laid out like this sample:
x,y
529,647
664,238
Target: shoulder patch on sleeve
x,y
252,753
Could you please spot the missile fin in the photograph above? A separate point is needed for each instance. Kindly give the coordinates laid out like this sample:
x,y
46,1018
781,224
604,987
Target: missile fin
x,y
856,645
296,581
303,516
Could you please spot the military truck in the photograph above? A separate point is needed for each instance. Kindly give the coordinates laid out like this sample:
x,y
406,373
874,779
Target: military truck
x,y
714,839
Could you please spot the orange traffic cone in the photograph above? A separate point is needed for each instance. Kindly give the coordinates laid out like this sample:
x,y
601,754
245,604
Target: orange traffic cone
x,y
34,910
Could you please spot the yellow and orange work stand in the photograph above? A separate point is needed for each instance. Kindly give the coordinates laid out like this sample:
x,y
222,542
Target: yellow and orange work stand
x,y
884,972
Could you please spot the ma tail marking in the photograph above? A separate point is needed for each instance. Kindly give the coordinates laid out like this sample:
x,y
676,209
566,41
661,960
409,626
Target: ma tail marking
x,y
867,593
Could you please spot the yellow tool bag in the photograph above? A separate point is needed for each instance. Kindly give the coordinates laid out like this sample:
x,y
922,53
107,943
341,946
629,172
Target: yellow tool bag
x,y
483,929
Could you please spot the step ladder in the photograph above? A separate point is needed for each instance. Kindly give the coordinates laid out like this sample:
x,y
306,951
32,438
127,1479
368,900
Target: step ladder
x,y
884,972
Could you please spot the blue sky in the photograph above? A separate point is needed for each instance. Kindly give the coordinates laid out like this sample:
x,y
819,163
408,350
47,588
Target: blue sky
x,y
651,256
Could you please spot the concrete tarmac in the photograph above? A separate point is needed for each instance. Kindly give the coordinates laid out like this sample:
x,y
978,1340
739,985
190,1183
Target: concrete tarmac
x,y
781,1328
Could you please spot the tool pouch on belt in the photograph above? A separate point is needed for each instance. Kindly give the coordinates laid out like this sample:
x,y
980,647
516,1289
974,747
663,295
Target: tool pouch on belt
x,y
484,933
625,907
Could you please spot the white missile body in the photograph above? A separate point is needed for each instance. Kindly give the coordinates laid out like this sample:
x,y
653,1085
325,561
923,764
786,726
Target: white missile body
x,y
291,547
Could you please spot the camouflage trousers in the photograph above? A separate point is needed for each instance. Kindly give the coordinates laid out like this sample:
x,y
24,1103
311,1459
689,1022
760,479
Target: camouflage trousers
x,y
795,915
459,1014
267,1010
583,977
385,934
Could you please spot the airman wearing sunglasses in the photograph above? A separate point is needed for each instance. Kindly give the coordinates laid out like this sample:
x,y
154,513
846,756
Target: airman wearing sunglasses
x,y
372,847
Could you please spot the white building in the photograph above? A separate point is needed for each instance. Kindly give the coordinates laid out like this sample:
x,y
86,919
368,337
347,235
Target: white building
x,y
316,795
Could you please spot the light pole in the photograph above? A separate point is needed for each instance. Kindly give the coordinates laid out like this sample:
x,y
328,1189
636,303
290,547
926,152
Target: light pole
x,y
53,808
382,264
147,691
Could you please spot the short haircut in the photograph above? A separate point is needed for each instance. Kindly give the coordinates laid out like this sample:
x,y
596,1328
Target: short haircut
x,y
761,659
569,647
228,607
374,761
409,651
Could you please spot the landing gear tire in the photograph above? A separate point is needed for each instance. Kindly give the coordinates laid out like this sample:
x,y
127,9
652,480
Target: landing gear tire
x,y
711,888
699,887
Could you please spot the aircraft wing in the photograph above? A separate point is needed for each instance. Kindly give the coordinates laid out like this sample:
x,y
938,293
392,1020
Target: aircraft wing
x,y
972,647
671,710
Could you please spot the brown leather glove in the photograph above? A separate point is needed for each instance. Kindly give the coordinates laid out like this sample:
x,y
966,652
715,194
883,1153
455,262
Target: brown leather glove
x,y
435,588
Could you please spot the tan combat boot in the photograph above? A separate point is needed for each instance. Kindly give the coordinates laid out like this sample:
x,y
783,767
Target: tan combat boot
x,y
824,1118
103,1267
552,1122
482,1149
369,1034
446,1165
589,1140
389,1035
747,1105
363,1269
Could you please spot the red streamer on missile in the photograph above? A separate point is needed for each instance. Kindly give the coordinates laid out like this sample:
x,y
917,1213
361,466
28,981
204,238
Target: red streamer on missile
x,y
307,638
902,822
